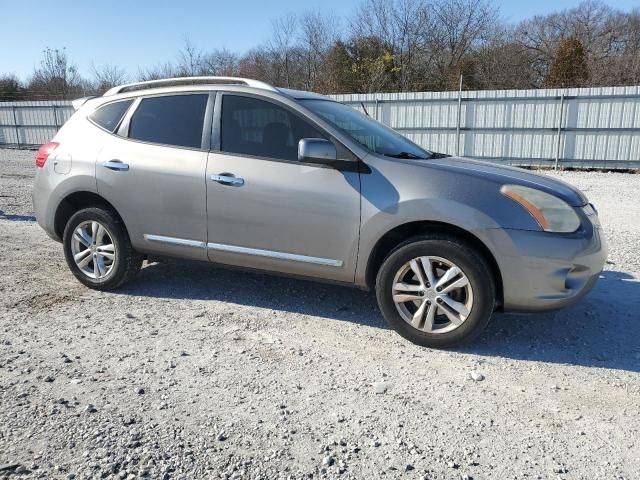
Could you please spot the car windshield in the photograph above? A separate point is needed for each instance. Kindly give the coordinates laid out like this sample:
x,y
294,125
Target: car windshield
x,y
370,133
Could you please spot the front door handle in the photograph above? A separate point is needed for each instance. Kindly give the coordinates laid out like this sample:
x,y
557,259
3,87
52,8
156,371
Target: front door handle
x,y
116,165
227,179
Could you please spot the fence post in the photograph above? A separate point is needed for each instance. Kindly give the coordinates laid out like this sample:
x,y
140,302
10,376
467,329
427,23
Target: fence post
x,y
459,117
558,134
15,123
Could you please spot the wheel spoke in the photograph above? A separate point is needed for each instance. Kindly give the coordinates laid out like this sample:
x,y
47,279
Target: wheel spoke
x,y
417,270
106,251
81,255
406,287
406,297
81,236
102,269
417,317
99,235
461,282
94,231
85,261
431,314
457,307
428,270
96,270
449,275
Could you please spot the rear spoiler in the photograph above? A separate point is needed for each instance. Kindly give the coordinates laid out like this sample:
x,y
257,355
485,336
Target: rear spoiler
x,y
80,101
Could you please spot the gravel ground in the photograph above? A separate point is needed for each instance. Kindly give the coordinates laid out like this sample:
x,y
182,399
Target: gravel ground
x,y
197,372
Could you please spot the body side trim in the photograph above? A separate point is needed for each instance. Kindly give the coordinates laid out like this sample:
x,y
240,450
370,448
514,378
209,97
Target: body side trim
x,y
175,241
273,254
245,250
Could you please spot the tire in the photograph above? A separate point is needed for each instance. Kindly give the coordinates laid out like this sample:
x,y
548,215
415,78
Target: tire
x,y
459,315
107,263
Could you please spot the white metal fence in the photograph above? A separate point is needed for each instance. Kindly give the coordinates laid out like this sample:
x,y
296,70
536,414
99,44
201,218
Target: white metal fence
x,y
29,124
586,127
583,128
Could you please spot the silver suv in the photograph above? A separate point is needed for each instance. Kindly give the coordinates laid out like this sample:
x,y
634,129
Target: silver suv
x,y
237,172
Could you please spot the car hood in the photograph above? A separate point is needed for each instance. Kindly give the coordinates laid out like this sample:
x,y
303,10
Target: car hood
x,y
512,175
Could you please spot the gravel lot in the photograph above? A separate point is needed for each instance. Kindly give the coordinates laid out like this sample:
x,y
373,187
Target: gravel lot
x,y
197,372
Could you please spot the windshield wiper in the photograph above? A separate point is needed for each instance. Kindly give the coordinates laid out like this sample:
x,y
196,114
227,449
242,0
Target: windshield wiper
x,y
407,155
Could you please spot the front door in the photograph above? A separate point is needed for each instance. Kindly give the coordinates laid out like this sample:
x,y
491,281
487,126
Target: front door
x,y
267,210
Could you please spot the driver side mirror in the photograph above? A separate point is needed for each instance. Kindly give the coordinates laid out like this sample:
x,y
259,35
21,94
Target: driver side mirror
x,y
317,150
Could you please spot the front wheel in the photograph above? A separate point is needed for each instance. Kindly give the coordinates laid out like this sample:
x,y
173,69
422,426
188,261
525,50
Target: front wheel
x,y
98,250
436,291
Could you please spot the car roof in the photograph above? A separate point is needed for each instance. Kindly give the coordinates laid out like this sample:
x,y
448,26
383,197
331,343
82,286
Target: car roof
x,y
302,94
206,83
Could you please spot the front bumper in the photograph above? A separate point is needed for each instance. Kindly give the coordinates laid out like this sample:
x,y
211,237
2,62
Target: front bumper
x,y
546,271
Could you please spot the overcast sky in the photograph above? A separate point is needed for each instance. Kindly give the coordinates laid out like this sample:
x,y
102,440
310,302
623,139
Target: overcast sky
x,y
136,34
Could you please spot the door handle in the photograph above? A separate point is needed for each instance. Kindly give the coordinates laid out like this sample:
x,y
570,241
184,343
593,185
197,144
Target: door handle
x,y
116,165
227,179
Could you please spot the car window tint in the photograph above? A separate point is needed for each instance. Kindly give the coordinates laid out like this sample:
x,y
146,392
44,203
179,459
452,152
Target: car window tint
x,y
109,116
264,129
170,120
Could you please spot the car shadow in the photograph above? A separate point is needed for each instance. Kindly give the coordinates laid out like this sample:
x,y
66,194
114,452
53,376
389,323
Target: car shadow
x,y
183,279
600,331
16,218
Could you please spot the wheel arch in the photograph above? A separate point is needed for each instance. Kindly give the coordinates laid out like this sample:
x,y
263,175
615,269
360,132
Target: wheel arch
x,y
76,201
401,233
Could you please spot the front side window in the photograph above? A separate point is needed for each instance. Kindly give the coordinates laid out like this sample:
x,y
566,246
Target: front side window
x,y
256,127
368,132
170,120
109,116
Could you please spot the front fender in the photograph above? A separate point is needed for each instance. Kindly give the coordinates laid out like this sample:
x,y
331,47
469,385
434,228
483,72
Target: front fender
x,y
396,193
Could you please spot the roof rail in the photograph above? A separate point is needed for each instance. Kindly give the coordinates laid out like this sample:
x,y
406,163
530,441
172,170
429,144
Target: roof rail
x,y
202,80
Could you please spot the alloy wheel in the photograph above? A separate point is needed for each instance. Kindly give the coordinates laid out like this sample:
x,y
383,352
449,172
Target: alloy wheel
x,y
93,250
432,294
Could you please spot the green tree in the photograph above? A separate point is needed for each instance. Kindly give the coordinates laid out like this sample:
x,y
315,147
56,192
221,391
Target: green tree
x,y
10,89
569,67
361,65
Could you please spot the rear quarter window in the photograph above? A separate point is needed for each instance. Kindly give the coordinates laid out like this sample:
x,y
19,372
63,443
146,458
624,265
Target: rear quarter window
x,y
109,116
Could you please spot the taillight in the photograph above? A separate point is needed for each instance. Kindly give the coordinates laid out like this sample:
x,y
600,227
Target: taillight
x,y
44,152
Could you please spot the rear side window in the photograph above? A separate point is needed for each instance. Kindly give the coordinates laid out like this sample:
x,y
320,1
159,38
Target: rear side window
x,y
260,128
171,120
109,116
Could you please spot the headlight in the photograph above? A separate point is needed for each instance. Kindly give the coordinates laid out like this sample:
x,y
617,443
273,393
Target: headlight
x,y
551,213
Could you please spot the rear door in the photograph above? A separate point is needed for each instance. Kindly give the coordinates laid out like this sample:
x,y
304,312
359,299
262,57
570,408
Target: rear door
x,y
266,209
155,176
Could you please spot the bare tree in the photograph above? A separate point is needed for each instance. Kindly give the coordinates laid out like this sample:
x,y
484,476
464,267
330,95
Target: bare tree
x,y
163,70
397,25
220,62
600,30
318,33
107,76
457,30
398,45
56,77
281,48
190,61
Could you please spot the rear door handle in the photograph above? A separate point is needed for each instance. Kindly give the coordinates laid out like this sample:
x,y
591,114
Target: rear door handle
x,y
116,165
228,179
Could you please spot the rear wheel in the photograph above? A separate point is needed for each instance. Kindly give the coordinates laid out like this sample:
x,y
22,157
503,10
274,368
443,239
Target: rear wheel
x,y
98,250
436,291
